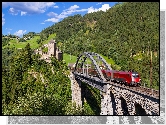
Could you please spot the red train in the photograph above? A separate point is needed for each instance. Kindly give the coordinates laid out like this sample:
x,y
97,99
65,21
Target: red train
x,y
125,77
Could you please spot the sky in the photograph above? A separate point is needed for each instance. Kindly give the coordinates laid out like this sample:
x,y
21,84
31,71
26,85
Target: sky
x,y
20,18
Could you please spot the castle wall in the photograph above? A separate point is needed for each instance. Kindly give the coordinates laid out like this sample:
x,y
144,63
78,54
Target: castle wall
x,y
52,48
59,56
52,51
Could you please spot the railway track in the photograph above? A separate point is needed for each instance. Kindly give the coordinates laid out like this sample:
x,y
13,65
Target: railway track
x,y
143,90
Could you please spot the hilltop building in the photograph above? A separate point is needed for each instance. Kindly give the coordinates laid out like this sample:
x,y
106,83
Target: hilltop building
x,y
52,51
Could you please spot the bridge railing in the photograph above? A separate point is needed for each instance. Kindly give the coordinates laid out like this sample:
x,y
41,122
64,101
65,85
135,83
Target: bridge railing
x,y
143,89
82,67
150,91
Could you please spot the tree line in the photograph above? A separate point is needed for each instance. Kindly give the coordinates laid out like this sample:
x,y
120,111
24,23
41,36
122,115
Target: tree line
x,y
127,33
32,86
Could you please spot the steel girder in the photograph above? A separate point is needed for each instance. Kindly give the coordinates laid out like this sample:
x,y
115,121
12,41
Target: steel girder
x,y
90,56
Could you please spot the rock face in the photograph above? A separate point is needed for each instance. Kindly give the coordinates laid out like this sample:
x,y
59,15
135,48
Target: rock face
x,y
76,90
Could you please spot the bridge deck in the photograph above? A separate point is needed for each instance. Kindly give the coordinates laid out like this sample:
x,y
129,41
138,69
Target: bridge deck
x,y
142,90
92,74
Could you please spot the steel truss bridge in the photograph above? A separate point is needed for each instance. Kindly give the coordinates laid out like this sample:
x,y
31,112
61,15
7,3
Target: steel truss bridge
x,y
88,70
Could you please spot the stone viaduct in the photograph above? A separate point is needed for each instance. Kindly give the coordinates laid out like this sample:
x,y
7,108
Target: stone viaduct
x,y
118,99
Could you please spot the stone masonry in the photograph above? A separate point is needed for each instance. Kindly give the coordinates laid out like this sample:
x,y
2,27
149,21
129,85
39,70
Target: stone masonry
x,y
150,106
76,90
52,51
106,103
147,104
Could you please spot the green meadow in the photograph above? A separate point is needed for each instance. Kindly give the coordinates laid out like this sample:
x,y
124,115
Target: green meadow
x,y
32,42
66,57
72,59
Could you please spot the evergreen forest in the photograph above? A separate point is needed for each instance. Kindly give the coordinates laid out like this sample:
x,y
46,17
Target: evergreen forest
x,y
128,33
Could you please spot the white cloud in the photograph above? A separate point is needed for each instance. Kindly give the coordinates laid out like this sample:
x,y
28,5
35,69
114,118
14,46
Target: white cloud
x,y
52,20
3,19
42,23
23,13
91,10
75,8
8,29
56,18
70,10
13,11
28,7
99,3
61,16
52,14
103,8
55,7
19,32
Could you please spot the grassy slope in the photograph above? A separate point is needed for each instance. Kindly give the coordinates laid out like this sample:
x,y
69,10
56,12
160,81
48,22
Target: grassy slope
x,y
32,42
109,61
66,58
49,38
34,45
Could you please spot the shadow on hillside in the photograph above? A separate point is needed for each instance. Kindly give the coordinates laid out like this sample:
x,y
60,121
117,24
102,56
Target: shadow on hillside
x,y
89,95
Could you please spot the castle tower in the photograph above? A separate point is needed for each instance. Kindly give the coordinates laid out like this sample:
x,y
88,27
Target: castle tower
x,y
60,56
52,48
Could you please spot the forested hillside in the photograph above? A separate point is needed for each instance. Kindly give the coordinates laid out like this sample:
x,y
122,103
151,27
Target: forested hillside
x,y
24,92
127,33
34,87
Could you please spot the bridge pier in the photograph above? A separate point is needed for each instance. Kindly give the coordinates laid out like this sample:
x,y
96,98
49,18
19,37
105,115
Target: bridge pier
x,y
145,107
118,105
106,103
120,100
130,103
76,91
131,108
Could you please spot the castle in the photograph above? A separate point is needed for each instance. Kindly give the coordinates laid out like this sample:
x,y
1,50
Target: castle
x,y
52,51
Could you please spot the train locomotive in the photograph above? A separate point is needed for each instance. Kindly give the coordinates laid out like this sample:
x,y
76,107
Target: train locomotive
x,y
125,77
